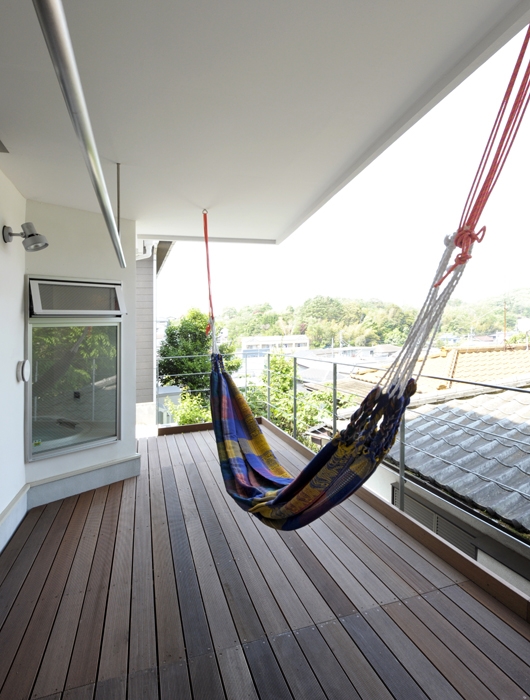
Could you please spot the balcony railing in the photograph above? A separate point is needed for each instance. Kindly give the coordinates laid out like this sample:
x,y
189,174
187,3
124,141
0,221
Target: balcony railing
x,y
251,378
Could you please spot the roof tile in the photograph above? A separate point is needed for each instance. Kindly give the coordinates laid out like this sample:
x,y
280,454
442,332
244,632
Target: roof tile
x,y
477,448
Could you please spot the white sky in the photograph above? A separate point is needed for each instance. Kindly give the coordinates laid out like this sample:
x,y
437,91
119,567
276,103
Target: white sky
x,y
382,235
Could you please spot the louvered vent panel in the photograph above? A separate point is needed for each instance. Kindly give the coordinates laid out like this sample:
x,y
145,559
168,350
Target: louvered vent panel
x,y
423,515
416,510
444,528
456,536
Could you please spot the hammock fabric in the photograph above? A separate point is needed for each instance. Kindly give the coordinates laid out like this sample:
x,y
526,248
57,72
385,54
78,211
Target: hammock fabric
x,y
260,485
252,474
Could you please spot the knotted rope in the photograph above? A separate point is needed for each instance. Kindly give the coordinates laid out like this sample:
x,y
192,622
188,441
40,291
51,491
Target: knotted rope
x,y
500,141
498,147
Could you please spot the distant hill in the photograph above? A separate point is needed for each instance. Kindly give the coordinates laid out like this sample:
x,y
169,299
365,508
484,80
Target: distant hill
x,y
326,320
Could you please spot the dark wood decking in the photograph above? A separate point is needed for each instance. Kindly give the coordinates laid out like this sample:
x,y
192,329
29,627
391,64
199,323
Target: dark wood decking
x,y
161,587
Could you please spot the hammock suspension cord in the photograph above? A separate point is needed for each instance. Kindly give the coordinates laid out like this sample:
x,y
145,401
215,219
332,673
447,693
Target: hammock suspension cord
x,y
498,147
502,136
210,328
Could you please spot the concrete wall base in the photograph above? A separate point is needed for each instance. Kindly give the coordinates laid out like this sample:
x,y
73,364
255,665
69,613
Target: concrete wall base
x,y
12,516
52,490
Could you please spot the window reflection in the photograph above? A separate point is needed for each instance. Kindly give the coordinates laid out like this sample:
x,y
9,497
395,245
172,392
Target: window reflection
x,y
74,385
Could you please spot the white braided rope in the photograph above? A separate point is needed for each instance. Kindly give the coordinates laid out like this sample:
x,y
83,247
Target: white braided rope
x,y
215,347
422,333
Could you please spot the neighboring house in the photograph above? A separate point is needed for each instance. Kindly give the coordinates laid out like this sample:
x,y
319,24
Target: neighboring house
x,y
445,371
149,262
316,368
255,350
260,345
205,105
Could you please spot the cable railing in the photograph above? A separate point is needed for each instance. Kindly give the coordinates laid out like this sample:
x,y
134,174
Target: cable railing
x,y
267,389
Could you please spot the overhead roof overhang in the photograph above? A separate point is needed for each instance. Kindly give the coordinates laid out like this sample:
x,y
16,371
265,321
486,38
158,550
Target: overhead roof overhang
x,y
259,112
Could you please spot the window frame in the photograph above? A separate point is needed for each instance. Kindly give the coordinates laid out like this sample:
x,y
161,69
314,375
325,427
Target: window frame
x,y
59,319
36,310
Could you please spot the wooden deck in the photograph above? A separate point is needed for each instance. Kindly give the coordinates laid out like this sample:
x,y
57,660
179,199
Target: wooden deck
x,y
160,587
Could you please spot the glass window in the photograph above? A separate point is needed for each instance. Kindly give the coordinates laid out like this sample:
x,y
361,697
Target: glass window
x,y
55,298
65,297
74,387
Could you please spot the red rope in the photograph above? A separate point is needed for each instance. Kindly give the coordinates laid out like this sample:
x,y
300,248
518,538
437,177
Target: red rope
x,y
493,159
205,225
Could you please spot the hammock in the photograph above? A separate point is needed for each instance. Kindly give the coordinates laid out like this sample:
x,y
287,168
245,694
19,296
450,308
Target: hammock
x,y
260,485
252,474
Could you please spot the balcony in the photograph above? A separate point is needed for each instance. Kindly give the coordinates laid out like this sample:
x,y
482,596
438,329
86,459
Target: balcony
x,y
161,587
461,462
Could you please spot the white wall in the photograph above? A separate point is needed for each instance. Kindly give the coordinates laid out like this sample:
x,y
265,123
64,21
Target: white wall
x,y
80,247
12,261
381,482
146,410
145,330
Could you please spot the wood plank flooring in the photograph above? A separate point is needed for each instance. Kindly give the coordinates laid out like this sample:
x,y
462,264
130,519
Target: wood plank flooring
x,y
162,588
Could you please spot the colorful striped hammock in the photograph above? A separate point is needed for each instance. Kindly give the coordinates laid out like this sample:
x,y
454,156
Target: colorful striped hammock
x,y
258,482
252,474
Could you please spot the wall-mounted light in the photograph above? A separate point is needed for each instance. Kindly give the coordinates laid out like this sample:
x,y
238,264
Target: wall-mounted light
x,y
23,371
31,240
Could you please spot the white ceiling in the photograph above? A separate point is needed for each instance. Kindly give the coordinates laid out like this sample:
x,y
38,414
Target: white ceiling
x,y
258,111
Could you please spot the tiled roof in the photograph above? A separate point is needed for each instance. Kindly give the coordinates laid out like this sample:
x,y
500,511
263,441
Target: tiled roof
x,y
477,449
508,366
489,364
469,440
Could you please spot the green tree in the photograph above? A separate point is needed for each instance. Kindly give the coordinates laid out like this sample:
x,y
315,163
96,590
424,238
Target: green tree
x,y
390,323
486,317
189,410
184,355
518,339
260,319
322,309
360,334
353,312
456,319
323,333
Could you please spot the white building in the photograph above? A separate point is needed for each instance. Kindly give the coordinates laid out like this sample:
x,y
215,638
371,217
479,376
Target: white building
x,y
256,345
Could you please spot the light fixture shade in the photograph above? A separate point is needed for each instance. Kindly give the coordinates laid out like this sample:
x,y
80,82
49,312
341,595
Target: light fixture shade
x,y
31,240
35,242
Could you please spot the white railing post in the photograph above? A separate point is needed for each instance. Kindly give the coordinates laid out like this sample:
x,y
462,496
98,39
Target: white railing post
x,y
334,398
246,375
268,386
294,397
402,464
